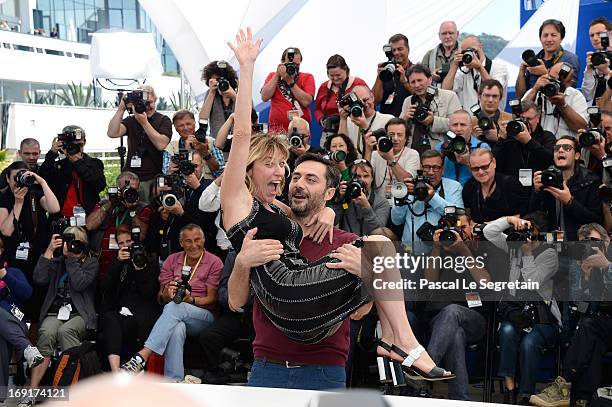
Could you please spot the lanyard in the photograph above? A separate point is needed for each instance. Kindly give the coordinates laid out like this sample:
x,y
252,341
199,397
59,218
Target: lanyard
x,y
195,269
363,132
117,222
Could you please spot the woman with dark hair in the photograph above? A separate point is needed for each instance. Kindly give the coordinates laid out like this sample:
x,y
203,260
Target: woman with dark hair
x,y
330,92
341,142
218,105
306,301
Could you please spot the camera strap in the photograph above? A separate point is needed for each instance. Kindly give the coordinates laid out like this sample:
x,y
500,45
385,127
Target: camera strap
x,y
195,268
116,214
360,138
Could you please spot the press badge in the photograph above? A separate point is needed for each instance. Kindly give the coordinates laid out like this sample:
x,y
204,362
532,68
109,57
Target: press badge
x,y
112,242
390,98
526,177
125,311
64,312
473,300
136,162
293,113
79,216
17,312
23,251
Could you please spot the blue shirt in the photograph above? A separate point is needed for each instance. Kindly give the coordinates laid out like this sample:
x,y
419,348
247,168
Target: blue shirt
x,y
19,290
567,57
460,172
435,209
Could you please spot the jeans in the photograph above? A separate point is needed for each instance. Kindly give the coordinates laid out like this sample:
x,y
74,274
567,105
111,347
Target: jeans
x,y
311,377
453,328
168,335
521,350
13,336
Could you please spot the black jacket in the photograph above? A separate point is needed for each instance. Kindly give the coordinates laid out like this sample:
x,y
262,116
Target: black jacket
x,y
512,155
585,207
508,198
59,176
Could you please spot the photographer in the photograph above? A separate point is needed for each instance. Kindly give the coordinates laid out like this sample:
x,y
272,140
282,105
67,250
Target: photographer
x,y
369,120
395,164
390,94
487,114
78,178
469,68
189,281
529,150
438,59
596,76
300,128
122,206
490,195
454,325
219,100
68,310
341,142
593,156
363,211
190,139
429,132
330,92
148,135
570,194
584,359
29,152
522,334
551,34
289,91
129,307
441,192
563,112
456,163
24,224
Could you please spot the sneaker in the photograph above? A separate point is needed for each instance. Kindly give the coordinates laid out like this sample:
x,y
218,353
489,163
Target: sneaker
x,y
33,356
189,379
557,394
135,365
26,402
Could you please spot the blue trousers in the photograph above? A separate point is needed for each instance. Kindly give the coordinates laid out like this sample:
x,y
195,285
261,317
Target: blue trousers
x,y
311,377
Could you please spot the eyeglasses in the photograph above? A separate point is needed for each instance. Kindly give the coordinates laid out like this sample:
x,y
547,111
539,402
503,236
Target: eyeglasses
x,y
432,168
565,147
591,239
476,168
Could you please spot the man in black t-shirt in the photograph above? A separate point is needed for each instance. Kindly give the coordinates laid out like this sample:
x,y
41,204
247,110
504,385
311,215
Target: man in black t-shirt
x,y
390,94
148,135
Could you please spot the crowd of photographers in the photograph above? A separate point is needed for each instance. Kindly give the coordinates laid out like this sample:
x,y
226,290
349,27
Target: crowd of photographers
x,y
428,154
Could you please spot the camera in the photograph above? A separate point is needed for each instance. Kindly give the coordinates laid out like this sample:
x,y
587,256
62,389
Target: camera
x,y
478,232
484,122
295,139
423,108
590,137
552,177
516,126
594,115
530,58
58,227
353,189
137,250
222,83
169,198
291,66
468,56
515,107
388,67
73,244
383,141
182,285
354,104
200,133
22,179
259,128
127,194
426,231
599,58
421,190
183,160
138,99
450,223
443,71
556,85
337,156
582,249
399,192
69,141
453,145
525,235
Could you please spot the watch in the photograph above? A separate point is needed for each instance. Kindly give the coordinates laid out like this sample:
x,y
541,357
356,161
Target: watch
x,y
392,163
132,214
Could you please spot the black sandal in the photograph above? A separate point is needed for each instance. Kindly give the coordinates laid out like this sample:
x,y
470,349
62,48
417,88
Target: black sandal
x,y
389,371
413,372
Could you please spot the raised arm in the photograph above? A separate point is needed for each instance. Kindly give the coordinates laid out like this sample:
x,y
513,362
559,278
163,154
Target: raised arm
x,y
235,196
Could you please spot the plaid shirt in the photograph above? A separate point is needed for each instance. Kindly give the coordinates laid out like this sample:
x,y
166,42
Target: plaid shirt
x,y
174,147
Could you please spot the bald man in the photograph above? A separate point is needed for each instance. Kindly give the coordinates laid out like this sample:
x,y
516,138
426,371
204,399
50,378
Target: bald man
x,y
564,113
438,59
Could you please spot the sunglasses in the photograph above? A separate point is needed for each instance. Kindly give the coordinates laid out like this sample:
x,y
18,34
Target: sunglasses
x,y
565,147
476,168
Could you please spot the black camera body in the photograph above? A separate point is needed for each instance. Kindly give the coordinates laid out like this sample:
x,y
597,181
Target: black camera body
x,y
484,122
556,86
354,104
183,160
468,56
200,133
222,83
421,189
168,199
389,66
58,227
450,223
590,137
530,58
452,145
524,235
599,57
291,67
515,107
295,139
516,126
73,244
354,188
137,250
182,285
24,180
383,141
552,177
126,194
69,141
137,99
423,108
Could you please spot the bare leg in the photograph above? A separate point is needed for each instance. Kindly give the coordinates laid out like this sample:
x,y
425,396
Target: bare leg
x,y
39,371
145,353
509,382
115,363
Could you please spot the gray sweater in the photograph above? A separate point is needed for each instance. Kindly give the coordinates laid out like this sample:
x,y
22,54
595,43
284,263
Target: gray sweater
x,y
82,278
362,221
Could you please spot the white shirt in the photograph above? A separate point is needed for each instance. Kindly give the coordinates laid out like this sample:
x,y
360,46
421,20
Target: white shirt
x,y
378,121
408,159
557,125
210,201
589,85
464,85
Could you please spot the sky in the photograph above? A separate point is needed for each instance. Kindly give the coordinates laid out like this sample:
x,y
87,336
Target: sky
x,y
501,17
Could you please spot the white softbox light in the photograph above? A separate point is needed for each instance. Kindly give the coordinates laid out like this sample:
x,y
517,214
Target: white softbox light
x,y
124,55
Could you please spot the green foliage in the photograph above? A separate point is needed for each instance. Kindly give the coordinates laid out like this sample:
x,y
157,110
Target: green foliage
x,y
189,104
492,44
111,171
5,160
162,104
75,95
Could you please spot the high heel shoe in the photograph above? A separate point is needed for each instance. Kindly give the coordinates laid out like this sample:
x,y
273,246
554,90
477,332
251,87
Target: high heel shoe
x,y
413,372
389,371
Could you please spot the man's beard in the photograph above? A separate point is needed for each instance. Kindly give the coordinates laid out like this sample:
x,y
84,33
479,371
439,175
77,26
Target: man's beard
x,y
311,206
